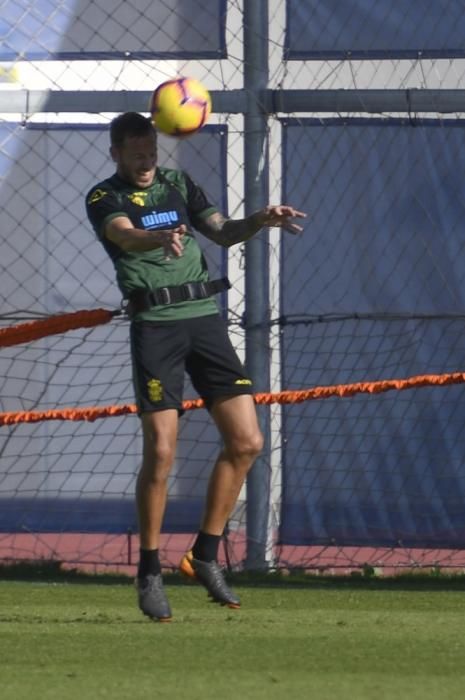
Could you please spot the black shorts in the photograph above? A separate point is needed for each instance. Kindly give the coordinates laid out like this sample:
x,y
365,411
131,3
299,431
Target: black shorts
x,y
163,350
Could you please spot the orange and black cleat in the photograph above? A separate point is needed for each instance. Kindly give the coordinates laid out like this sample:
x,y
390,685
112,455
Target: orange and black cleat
x,y
210,575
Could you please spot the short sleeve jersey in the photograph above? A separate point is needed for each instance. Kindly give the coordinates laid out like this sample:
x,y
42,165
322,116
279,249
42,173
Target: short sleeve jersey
x,y
172,199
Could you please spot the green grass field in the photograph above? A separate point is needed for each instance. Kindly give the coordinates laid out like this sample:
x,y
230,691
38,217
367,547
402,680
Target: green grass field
x,y
320,639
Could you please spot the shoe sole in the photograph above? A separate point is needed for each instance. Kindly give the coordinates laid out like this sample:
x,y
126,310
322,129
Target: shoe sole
x,y
187,570
163,620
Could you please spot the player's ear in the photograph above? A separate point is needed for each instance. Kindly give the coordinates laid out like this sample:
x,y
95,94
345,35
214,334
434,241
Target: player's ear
x,y
113,153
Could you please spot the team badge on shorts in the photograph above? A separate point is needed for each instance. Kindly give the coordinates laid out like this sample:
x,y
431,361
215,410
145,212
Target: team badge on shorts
x,y
155,390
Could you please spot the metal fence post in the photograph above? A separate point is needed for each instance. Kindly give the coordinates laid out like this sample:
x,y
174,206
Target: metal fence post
x,y
257,268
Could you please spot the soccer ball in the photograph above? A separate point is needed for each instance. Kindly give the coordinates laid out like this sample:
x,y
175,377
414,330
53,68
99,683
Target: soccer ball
x,y
180,107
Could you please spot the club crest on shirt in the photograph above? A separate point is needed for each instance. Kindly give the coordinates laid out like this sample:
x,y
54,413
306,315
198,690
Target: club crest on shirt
x,y
138,198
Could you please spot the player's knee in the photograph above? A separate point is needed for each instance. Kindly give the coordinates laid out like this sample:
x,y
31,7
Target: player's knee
x,y
249,446
158,460
256,443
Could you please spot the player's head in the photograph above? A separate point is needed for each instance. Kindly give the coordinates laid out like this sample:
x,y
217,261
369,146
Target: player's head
x,y
133,147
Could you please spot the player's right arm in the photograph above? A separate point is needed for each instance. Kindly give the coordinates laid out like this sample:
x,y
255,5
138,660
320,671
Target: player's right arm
x,y
120,231
112,224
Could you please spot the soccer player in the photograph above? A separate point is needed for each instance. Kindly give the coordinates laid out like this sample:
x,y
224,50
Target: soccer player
x,y
145,216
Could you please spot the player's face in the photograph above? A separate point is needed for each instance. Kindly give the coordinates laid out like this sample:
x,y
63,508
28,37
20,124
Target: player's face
x,y
136,160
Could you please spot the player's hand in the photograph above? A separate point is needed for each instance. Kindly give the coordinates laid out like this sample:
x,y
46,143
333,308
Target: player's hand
x,y
171,241
281,215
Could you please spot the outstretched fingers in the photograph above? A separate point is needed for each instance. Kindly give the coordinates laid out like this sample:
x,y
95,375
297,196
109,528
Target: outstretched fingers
x,y
281,215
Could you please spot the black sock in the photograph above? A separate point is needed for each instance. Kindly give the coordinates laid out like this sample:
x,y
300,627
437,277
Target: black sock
x,y
149,563
206,546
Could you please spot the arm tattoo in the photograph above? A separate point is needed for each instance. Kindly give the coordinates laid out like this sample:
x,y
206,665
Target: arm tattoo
x,y
228,232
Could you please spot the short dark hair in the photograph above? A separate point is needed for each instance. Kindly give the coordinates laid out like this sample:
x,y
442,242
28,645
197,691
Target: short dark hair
x,y
130,124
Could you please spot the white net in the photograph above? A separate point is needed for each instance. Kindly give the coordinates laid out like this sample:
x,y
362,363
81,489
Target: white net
x,y
66,68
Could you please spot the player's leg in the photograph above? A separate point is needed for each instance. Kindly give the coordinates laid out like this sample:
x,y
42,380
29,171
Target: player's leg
x,y
237,422
236,419
220,379
159,431
158,370
159,445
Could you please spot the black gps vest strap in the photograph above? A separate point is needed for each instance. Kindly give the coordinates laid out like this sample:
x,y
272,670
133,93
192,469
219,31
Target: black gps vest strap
x,y
144,299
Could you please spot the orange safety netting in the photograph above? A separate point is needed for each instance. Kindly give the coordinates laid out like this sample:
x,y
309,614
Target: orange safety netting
x,y
33,330
282,397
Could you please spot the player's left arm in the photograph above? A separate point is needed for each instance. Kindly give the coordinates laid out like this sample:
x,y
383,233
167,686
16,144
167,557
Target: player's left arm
x,y
228,232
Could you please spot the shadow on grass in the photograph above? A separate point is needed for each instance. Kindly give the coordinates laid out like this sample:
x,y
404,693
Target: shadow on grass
x,y
436,579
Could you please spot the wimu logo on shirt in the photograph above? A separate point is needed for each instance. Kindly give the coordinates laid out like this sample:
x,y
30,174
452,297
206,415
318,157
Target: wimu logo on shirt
x,y
160,219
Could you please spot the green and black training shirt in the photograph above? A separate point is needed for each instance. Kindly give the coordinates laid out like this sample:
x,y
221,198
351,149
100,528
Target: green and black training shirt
x,y
172,199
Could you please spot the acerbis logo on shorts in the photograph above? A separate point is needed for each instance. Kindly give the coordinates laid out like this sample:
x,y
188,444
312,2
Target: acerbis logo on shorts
x,y
155,390
243,381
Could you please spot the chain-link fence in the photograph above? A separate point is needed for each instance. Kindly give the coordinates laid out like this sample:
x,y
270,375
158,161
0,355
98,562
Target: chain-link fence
x,y
352,112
